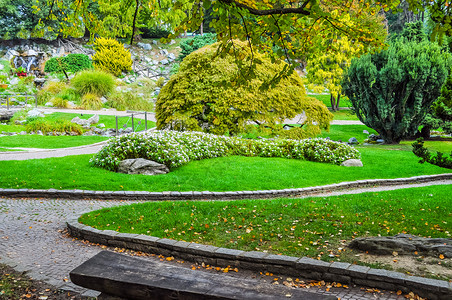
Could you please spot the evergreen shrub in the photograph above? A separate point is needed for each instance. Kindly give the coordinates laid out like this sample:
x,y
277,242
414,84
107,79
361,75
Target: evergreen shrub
x,y
192,44
70,63
111,56
392,91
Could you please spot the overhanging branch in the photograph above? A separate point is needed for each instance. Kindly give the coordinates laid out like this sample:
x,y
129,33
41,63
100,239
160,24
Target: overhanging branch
x,y
274,11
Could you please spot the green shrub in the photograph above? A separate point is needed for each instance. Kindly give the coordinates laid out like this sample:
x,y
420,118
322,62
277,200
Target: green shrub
x,y
175,149
208,95
155,32
94,82
111,56
189,45
439,159
160,82
392,91
53,126
128,100
91,101
70,63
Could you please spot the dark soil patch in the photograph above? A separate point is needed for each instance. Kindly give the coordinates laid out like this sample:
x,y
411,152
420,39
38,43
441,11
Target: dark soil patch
x,y
16,285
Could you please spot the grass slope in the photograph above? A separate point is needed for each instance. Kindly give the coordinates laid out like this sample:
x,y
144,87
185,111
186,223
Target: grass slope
x,y
316,227
220,174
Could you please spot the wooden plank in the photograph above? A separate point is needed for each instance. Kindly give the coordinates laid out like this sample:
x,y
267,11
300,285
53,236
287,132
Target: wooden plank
x,y
136,278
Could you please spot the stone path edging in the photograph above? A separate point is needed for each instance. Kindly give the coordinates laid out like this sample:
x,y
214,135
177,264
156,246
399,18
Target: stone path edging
x,y
259,261
207,195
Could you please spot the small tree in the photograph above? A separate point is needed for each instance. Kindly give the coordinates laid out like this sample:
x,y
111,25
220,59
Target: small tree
x,y
392,91
209,94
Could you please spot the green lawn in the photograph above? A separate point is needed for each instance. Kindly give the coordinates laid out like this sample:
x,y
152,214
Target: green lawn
x,y
325,98
220,174
345,114
314,227
345,132
48,142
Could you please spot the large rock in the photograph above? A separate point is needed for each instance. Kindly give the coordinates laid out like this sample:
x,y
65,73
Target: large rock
x,y
6,115
80,122
34,113
94,119
352,163
404,244
141,166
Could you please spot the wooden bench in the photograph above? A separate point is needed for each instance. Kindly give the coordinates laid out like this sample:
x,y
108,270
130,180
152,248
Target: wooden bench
x,y
126,277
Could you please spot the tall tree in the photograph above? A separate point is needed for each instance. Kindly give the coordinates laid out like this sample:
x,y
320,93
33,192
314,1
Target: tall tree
x,y
392,91
293,28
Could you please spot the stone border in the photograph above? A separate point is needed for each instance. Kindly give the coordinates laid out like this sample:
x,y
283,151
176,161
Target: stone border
x,y
206,195
259,261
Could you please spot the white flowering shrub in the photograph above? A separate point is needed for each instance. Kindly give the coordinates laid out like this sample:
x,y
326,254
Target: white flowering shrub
x,y
174,148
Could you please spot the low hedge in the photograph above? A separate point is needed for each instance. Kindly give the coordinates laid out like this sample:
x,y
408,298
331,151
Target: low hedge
x,y
175,149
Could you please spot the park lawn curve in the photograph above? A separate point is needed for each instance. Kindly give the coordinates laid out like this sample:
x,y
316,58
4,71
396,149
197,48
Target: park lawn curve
x,y
314,227
48,142
233,173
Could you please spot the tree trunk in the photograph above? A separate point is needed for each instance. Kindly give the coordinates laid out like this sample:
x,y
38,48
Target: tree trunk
x,y
334,102
134,20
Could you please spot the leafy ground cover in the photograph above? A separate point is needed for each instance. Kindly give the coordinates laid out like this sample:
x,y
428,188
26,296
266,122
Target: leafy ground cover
x,y
314,227
220,174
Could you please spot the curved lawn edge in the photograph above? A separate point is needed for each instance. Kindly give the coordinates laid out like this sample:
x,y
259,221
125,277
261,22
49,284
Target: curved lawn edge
x,y
208,195
345,273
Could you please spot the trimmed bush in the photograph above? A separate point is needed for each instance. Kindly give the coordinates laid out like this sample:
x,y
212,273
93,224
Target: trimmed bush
x,y
70,63
94,82
209,94
154,32
190,45
91,101
175,149
111,56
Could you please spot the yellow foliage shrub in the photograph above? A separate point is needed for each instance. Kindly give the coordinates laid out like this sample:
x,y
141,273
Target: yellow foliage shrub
x,y
111,56
91,101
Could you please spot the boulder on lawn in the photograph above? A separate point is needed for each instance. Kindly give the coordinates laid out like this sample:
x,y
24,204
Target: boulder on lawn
x,y
141,166
80,122
352,163
93,120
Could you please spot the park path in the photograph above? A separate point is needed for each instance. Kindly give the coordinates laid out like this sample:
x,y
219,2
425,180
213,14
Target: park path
x,y
33,239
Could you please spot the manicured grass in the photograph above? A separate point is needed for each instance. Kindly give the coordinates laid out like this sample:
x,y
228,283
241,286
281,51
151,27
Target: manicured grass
x,y
11,128
325,98
345,114
345,132
48,142
315,227
220,174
